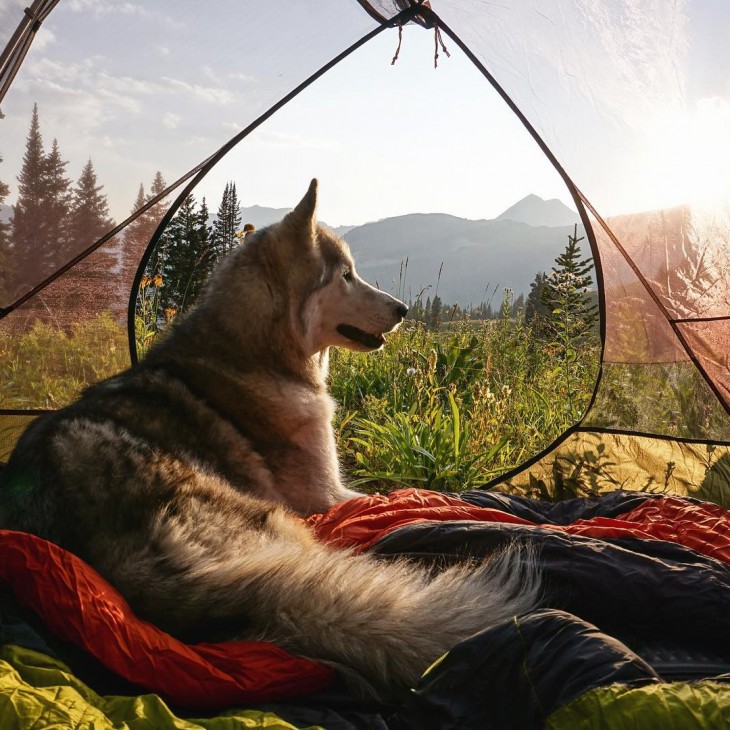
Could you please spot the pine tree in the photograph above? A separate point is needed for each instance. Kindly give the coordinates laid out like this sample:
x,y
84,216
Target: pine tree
x,y
227,223
139,232
184,258
203,261
573,313
6,273
56,208
28,211
518,306
537,313
436,307
96,277
89,218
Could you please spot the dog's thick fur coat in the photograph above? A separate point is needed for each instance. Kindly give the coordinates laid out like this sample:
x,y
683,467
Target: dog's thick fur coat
x,y
180,480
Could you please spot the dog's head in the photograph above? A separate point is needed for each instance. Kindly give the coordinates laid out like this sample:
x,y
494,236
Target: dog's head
x,y
292,287
329,304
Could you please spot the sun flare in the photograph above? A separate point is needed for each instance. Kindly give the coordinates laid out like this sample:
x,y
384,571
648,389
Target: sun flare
x,y
690,155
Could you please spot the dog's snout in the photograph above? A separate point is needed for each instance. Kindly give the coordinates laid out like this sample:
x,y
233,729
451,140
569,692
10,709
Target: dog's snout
x,y
401,309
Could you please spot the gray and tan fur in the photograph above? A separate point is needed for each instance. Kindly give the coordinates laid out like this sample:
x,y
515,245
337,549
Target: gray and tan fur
x,y
180,479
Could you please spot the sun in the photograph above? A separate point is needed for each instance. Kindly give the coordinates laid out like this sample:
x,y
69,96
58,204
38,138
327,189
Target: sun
x,y
690,154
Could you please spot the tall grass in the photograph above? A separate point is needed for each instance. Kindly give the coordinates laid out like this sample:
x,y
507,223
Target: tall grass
x,y
48,367
453,408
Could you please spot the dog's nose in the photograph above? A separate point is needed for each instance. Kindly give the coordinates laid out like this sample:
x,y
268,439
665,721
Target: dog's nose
x,y
401,309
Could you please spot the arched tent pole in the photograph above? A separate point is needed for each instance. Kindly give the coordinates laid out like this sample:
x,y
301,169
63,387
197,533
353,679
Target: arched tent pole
x,y
202,170
578,200
582,204
12,57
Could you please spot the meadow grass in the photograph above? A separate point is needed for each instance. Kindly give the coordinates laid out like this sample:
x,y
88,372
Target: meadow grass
x,y
48,367
452,409
446,409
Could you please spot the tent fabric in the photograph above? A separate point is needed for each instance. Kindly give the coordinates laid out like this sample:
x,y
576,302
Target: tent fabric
x,y
599,558
591,461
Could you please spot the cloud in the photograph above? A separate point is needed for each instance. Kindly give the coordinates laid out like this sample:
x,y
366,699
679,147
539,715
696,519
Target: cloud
x,y
106,7
232,127
209,94
171,121
43,39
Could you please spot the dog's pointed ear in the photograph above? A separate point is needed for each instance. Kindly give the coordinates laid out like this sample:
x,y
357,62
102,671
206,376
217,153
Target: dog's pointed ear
x,y
304,216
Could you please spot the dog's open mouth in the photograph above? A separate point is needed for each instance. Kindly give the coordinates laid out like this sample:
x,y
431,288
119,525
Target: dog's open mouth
x,y
364,338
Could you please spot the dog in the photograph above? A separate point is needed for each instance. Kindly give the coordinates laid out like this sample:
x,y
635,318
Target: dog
x,y
183,480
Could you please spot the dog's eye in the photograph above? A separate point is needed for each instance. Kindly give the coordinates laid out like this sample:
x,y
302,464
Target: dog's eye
x,y
347,275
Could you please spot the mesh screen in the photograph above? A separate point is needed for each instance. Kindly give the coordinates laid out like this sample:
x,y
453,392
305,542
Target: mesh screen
x,y
74,331
90,112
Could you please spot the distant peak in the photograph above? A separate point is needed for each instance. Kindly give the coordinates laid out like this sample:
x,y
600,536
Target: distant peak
x,y
534,211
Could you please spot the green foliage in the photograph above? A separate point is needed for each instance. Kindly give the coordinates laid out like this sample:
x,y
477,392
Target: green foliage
x,y
571,313
48,367
183,256
670,398
451,409
5,259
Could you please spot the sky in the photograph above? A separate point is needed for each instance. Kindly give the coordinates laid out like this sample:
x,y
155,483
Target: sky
x,y
383,139
628,95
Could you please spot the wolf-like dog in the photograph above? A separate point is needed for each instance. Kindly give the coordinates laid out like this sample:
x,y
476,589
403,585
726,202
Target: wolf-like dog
x,y
182,480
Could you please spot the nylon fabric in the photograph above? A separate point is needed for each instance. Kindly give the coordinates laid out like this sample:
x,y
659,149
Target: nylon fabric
x,y
78,605
362,522
37,691
675,706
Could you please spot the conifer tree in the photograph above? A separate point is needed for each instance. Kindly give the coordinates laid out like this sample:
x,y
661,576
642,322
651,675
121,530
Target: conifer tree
x,y
138,233
177,248
537,313
89,219
227,223
201,257
56,207
436,308
5,258
184,258
28,210
573,313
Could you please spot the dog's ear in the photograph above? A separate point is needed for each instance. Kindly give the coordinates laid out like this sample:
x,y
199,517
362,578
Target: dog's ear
x,y
304,217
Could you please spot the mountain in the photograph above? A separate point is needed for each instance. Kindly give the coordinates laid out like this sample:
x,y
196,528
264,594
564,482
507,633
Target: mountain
x,y
535,211
261,216
6,213
480,258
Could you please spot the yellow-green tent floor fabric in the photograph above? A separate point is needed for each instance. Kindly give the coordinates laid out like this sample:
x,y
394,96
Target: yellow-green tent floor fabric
x,y
37,691
672,706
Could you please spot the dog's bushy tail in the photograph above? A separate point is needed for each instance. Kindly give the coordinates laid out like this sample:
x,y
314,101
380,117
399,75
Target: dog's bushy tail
x,y
386,620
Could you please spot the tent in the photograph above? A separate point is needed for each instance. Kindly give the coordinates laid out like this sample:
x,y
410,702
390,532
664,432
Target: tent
x,y
639,95
629,103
